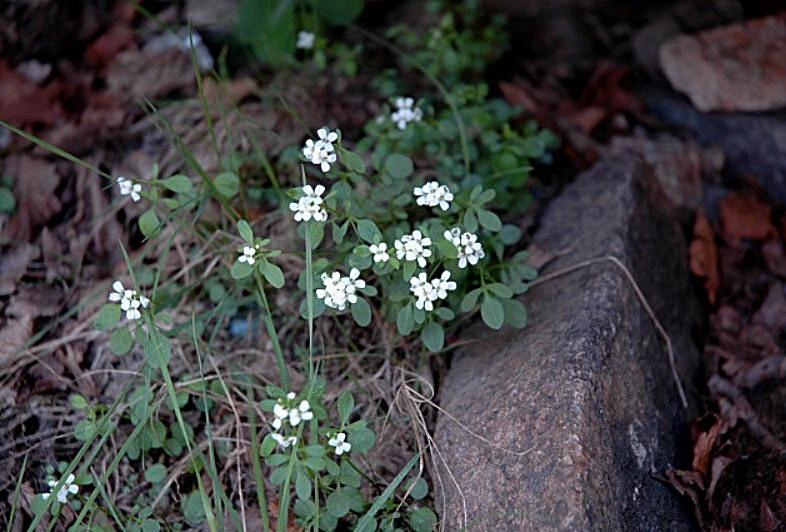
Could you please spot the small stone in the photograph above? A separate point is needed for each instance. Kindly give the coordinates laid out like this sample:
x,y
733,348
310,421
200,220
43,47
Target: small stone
x,y
739,67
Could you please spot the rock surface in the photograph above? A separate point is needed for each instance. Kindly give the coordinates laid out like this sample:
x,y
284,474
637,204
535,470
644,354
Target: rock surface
x,y
754,145
740,67
587,385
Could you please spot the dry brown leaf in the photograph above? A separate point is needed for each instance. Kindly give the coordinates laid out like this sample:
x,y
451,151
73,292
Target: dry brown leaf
x,y
13,265
704,256
23,102
744,216
704,445
35,182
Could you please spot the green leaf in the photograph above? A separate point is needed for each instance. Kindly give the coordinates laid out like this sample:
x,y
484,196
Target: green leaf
x,y
272,273
158,349
155,473
241,270
500,290
7,201
150,525
433,337
149,223
515,313
339,231
509,234
302,485
470,299
227,184
121,341
423,520
368,231
338,503
489,220
361,439
444,313
268,27
78,401
486,196
108,316
492,312
399,166
346,403
246,233
178,183
361,312
352,161
420,489
470,221
339,12
405,320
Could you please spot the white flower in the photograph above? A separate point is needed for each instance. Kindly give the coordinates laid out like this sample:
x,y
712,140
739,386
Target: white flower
x,y
247,255
68,488
291,395
321,152
309,206
305,40
339,290
442,285
302,412
129,188
282,441
338,441
130,301
432,194
327,136
413,247
470,251
405,112
380,252
424,291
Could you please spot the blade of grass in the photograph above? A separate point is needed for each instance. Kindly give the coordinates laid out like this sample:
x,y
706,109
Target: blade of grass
x,y
380,501
256,463
17,492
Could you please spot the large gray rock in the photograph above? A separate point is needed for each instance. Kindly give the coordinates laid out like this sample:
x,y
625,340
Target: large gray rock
x,y
587,385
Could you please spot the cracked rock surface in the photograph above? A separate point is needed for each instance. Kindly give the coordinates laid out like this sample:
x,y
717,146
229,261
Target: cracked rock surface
x,y
587,384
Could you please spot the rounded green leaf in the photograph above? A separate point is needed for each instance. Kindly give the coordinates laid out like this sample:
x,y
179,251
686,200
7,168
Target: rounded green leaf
x,y
489,220
423,520
155,473
227,184
241,270
272,274
361,312
178,183
352,161
492,312
398,166
515,313
108,316
149,223
368,231
158,349
405,320
302,485
470,300
500,290
245,232
346,403
433,337
121,341
7,201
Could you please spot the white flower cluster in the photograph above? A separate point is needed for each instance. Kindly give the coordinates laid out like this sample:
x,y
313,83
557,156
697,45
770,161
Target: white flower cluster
x,y
68,488
340,444
427,292
321,152
129,188
130,301
380,252
405,112
413,247
433,194
248,255
469,249
292,414
309,206
340,289
305,40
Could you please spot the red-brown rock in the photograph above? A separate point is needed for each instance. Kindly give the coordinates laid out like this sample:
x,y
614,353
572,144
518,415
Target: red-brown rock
x,y
740,67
